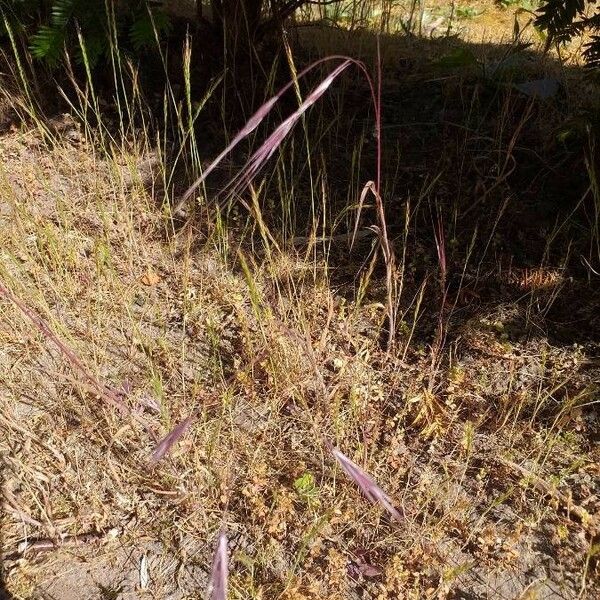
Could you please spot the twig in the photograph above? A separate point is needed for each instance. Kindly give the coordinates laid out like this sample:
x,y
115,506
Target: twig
x,y
39,545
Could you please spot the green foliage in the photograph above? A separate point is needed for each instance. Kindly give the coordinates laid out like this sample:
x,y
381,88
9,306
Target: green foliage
x,y
307,489
457,58
566,19
87,29
84,27
467,12
147,28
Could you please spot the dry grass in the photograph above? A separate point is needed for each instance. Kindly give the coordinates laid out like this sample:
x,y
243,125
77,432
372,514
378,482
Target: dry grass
x,y
486,444
174,330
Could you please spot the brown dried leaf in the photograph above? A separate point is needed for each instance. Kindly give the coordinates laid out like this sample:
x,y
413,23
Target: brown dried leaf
x,y
150,277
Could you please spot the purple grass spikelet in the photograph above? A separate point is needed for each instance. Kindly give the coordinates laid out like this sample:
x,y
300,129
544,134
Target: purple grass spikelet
x,y
366,483
165,445
220,570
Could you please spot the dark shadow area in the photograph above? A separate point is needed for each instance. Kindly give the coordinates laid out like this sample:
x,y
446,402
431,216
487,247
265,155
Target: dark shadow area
x,y
468,145
490,185
490,148
503,177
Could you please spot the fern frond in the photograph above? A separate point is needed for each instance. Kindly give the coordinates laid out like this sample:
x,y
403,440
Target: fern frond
x,y
592,52
61,12
147,27
564,20
557,16
48,43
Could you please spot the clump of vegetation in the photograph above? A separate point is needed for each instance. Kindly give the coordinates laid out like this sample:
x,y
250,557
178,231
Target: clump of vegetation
x,y
567,19
53,26
346,347
93,27
85,29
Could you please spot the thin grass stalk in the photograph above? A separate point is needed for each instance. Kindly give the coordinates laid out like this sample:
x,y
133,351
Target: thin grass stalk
x,y
257,118
591,164
105,393
17,57
117,72
197,165
418,300
387,252
440,335
294,72
187,78
29,106
90,84
402,268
